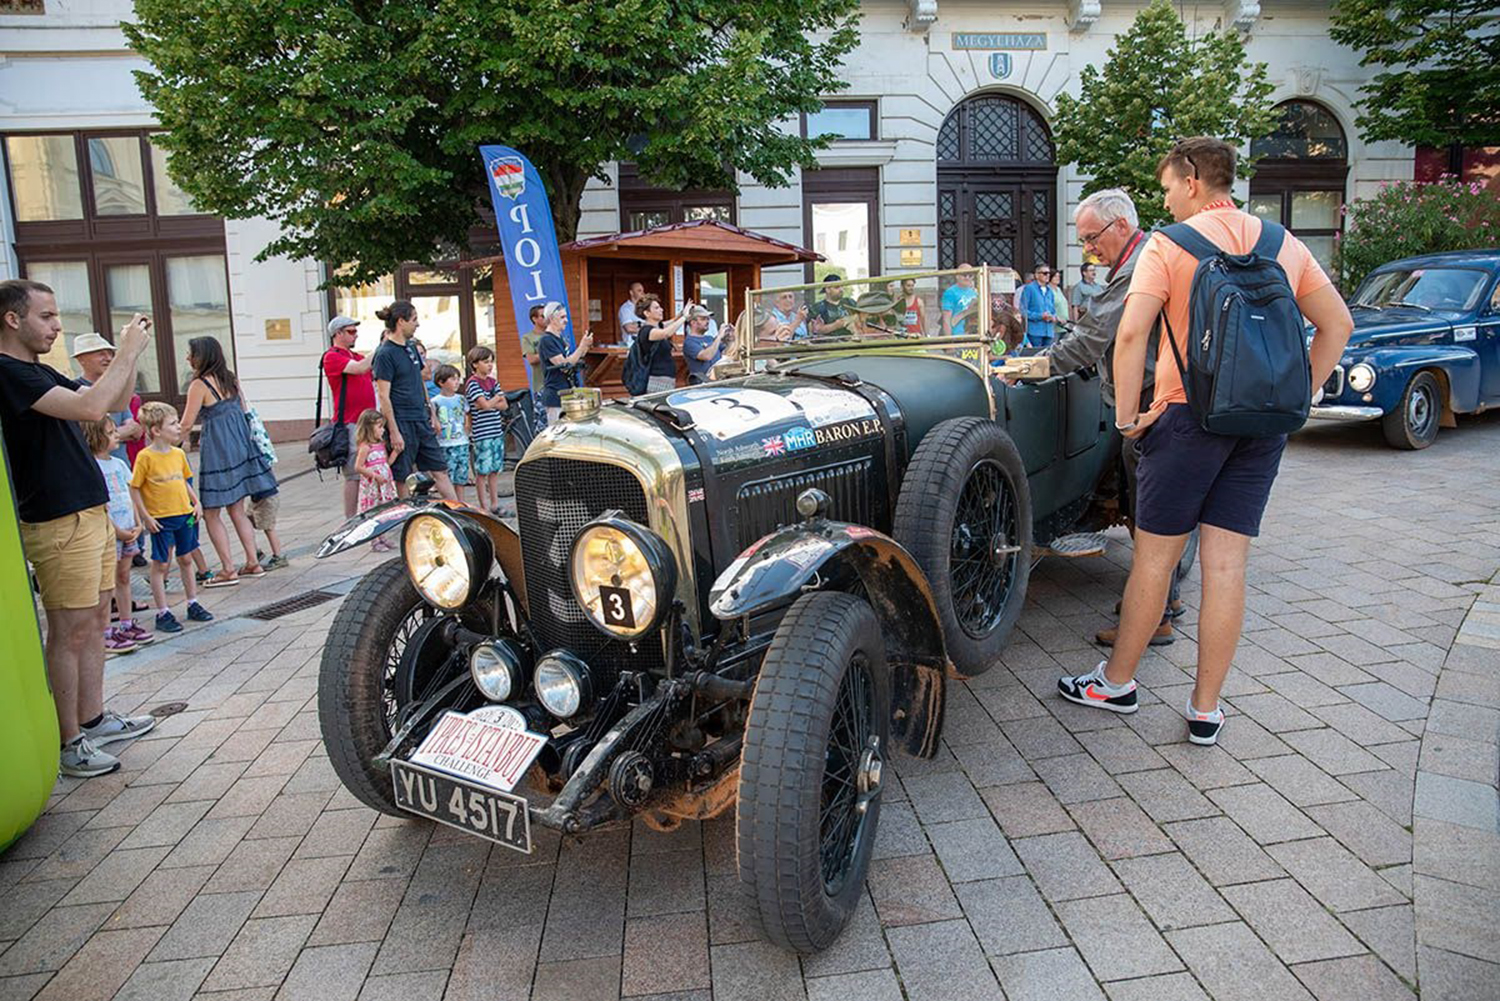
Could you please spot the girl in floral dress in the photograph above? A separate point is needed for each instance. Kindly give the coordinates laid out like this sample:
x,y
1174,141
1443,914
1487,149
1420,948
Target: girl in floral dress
x,y
376,484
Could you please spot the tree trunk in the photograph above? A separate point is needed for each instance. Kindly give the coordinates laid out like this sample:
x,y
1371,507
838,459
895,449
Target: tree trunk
x,y
1456,160
565,185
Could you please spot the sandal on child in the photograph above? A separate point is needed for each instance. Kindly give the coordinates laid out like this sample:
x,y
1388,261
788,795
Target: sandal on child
x,y
252,570
218,578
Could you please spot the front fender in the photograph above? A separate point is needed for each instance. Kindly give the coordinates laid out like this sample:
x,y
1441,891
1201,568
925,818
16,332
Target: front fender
x,y
1394,367
776,569
370,525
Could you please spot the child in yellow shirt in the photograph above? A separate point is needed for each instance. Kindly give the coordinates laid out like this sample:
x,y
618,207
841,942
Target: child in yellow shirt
x,y
162,487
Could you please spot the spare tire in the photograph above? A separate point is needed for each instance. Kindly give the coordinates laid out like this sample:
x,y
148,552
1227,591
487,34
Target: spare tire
x,y
964,513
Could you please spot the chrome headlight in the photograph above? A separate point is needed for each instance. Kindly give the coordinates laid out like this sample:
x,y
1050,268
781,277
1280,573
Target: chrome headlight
x,y
496,670
623,576
447,557
1361,378
563,685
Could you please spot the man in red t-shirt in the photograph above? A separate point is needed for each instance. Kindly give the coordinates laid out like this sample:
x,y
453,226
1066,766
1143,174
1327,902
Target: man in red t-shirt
x,y
1188,477
340,363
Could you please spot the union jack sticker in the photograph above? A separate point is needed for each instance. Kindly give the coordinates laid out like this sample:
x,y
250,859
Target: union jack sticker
x,y
773,445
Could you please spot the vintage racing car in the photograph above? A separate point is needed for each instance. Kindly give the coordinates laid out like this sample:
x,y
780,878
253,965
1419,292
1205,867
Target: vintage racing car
x,y
740,594
1426,347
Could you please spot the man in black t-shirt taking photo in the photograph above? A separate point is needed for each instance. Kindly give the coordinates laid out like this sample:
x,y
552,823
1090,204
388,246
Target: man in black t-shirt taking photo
x,y
65,526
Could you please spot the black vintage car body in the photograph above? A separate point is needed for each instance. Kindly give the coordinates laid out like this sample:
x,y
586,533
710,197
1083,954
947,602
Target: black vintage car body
x,y
822,545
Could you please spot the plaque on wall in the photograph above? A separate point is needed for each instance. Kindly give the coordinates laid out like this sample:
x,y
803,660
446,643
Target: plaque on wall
x,y
999,40
911,237
911,258
279,329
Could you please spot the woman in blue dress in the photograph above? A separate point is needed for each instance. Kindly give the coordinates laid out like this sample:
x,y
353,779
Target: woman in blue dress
x,y
230,466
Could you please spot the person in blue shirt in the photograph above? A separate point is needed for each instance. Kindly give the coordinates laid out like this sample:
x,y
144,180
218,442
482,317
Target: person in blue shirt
x,y
402,399
958,304
701,347
1038,305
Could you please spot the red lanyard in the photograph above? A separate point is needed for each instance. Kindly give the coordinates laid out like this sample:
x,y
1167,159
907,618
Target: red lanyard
x,y
1140,235
1221,203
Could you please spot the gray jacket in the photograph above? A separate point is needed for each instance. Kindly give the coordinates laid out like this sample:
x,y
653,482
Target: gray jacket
x,y
1092,339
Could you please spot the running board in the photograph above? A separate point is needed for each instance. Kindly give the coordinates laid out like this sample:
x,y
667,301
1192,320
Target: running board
x,y
1073,546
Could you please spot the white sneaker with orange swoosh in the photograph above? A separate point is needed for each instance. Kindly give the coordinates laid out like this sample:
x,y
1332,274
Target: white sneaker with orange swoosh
x,y
1092,689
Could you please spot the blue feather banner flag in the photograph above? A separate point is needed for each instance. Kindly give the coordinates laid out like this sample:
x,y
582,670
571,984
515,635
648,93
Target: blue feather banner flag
x,y
524,219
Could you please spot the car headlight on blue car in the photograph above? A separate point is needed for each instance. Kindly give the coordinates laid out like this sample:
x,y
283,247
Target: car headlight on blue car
x,y
1361,378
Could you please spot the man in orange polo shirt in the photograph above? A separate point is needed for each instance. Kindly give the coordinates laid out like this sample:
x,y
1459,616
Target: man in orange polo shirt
x,y
1189,477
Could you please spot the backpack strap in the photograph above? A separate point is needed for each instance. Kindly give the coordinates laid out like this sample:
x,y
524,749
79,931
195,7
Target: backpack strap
x,y
318,410
1272,235
1191,240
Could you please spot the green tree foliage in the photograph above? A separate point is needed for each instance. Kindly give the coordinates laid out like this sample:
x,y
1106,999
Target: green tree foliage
x,y
1157,87
1439,83
354,123
1410,218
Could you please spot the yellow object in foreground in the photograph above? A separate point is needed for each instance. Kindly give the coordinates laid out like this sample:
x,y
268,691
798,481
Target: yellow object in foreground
x,y
28,721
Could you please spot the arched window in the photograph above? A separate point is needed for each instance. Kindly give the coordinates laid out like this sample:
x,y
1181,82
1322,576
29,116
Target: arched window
x,y
997,185
1300,180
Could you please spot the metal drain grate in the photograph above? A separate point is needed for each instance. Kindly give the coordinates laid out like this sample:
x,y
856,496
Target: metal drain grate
x,y
167,709
286,606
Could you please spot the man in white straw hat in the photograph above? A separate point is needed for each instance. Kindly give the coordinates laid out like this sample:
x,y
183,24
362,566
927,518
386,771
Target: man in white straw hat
x,y
92,353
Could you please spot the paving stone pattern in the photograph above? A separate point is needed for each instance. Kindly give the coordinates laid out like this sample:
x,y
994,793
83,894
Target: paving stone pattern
x,y
1341,843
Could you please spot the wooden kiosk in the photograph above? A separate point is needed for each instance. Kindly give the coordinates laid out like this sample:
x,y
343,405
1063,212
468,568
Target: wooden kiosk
x,y
706,261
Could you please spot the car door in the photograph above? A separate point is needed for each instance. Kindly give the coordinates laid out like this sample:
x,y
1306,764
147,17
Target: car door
x,y
1487,344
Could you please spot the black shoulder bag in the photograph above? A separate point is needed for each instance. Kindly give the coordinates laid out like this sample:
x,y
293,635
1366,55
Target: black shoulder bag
x,y
329,443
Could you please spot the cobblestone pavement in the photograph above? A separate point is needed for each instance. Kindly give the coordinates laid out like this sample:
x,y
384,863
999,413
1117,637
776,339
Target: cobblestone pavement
x,y
1341,843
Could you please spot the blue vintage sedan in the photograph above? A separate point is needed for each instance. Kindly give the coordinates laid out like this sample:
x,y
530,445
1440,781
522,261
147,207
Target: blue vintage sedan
x,y
1426,346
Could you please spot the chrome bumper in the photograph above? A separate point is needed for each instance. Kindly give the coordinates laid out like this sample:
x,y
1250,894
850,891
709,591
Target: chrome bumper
x,y
1341,413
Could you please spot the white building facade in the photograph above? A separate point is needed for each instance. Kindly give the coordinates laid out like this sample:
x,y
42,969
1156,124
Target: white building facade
x,y
949,158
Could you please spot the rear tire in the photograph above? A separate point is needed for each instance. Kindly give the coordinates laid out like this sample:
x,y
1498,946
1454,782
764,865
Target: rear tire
x,y
821,710
356,679
1414,422
964,514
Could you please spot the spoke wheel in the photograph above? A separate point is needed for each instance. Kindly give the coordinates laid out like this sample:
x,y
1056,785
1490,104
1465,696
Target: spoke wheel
x,y
985,549
357,679
964,514
809,791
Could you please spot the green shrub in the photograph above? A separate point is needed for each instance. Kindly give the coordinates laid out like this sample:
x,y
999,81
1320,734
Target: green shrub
x,y
1407,218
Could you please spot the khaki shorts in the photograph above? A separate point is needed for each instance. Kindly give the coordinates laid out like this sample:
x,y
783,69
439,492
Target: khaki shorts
x,y
74,557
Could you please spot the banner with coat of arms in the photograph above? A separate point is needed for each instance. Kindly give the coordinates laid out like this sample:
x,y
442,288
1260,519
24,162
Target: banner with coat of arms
x,y
523,217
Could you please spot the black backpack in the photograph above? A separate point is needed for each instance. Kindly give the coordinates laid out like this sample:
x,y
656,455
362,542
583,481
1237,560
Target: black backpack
x,y
329,443
1246,373
636,372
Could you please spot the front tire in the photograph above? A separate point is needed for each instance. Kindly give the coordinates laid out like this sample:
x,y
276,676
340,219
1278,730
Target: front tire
x,y
809,789
356,679
1414,422
964,514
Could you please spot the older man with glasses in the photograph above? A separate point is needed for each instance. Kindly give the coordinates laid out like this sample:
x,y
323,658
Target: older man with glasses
x,y
1109,227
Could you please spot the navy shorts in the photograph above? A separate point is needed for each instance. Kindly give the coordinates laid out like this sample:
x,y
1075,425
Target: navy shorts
x,y
1188,476
179,533
422,452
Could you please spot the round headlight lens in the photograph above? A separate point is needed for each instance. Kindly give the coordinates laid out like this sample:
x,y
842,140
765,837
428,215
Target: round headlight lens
x,y
495,670
562,685
440,560
1361,377
623,577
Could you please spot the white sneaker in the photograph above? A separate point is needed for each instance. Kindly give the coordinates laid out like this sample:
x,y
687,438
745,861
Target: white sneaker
x,y
1203,728
114,728
81,759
